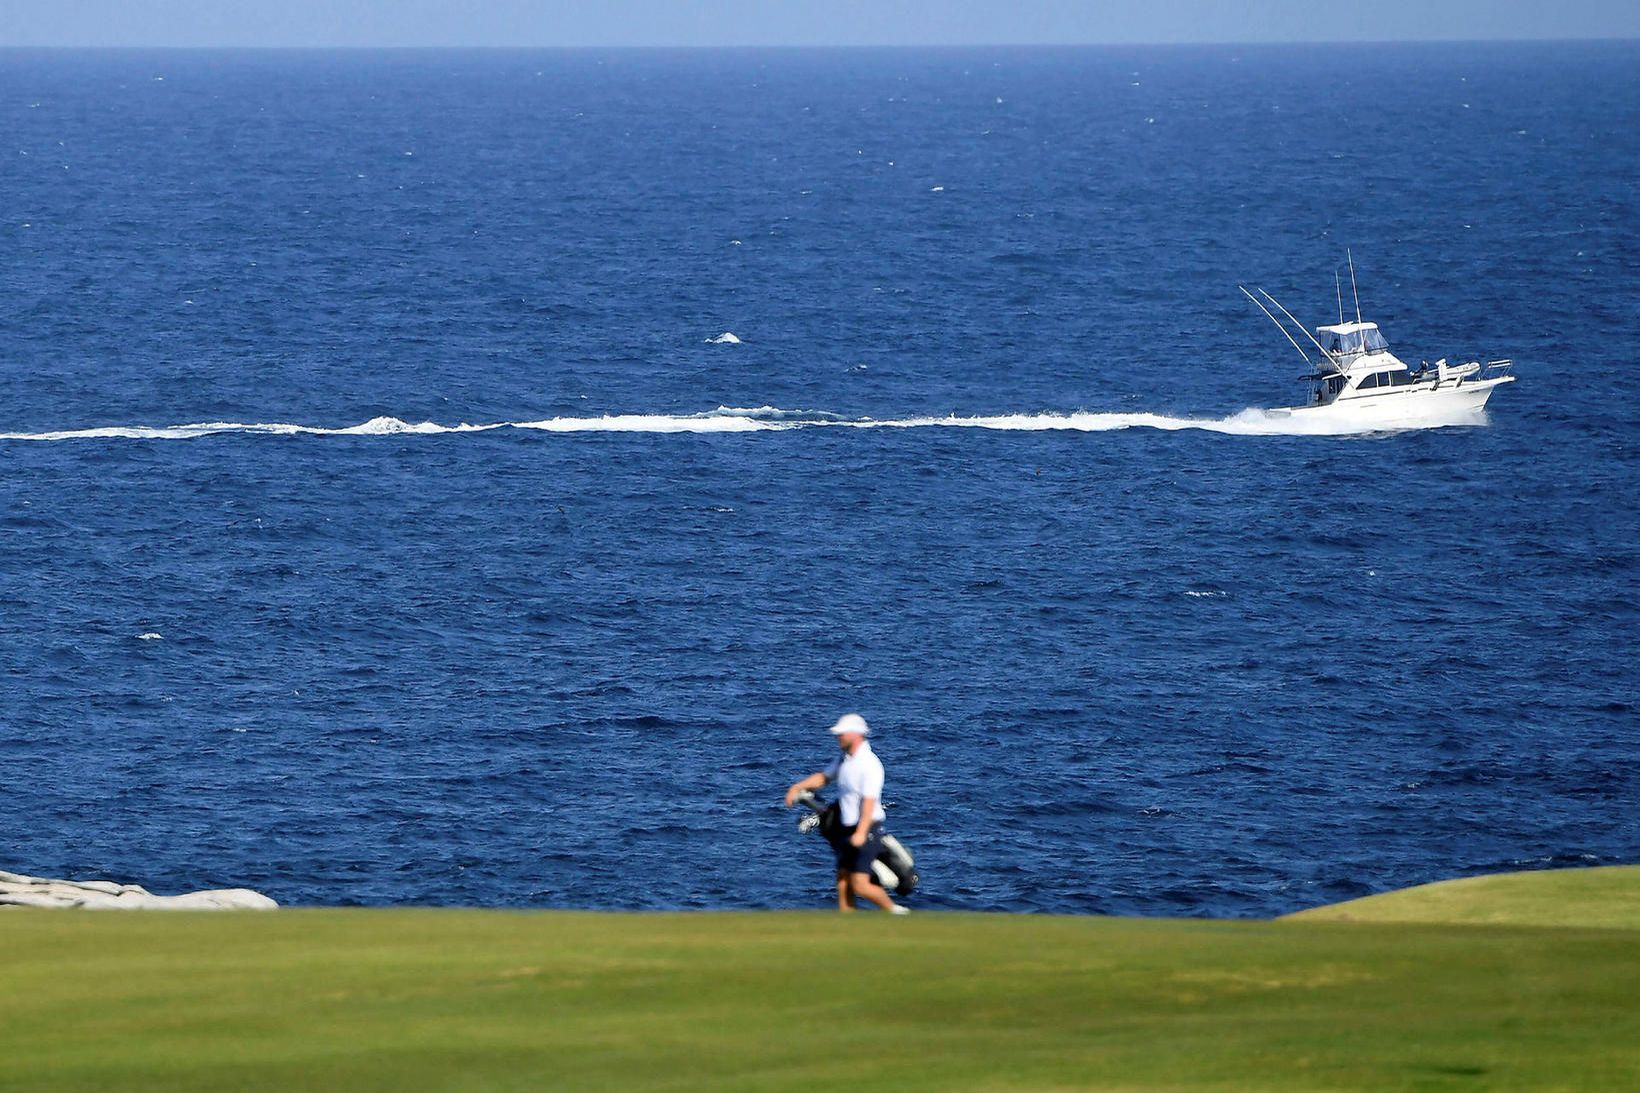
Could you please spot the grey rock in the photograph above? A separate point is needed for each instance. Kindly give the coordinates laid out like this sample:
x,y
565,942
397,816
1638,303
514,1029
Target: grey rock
x,y
17,890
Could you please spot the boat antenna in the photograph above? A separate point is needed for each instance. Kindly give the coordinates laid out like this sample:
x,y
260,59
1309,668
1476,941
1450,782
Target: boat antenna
x,y
1353,290
1298,324
1277,321
1338,287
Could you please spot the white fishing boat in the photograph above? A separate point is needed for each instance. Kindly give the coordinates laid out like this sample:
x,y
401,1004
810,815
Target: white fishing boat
x,y
1358,378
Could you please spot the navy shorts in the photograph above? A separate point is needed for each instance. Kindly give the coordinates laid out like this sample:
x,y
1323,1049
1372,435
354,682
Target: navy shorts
x,y
852,859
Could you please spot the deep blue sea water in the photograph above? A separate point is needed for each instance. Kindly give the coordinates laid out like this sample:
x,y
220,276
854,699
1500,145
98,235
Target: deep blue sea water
x,y
1148,670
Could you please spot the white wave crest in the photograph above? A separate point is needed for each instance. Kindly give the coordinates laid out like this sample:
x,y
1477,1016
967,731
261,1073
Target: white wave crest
x,y
734,419
725,338
775,415
392,426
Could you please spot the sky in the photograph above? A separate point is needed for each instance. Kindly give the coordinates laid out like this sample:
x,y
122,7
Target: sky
x,y
355,23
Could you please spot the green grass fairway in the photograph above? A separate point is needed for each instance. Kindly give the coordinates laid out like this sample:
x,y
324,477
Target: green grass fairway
x,y
1607,897
424,999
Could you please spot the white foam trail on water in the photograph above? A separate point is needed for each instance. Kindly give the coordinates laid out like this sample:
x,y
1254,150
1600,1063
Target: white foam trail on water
x,y
1250,422
650,423
733,419
376,426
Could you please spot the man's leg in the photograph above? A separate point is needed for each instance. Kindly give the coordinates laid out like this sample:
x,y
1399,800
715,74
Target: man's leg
x,y
845,894
863,885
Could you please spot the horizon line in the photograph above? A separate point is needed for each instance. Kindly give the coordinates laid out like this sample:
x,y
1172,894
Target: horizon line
x,y
831,46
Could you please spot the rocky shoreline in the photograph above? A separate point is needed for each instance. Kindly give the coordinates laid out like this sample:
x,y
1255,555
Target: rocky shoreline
x,y
17,890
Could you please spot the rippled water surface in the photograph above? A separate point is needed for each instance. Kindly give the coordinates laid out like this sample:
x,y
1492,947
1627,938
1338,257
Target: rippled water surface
x,y
985,461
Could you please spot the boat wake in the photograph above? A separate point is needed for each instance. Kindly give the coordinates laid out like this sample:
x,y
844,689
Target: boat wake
x,y
729,419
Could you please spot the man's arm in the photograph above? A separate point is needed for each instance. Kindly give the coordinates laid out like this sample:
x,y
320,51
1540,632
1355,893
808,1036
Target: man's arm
x,y
812,782
868,809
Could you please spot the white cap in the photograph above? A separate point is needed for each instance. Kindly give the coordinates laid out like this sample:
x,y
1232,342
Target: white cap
x,y
850,722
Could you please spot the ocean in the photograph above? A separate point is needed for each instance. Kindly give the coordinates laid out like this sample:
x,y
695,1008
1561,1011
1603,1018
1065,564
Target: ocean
x,y
385,518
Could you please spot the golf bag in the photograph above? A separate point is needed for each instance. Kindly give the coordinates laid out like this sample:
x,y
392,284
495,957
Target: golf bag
x,y
894,868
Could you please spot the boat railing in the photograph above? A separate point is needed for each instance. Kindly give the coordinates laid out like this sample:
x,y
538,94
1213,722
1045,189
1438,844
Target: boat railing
x,y
1501,367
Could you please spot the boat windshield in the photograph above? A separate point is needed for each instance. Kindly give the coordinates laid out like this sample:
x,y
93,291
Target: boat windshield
x,y
1350,342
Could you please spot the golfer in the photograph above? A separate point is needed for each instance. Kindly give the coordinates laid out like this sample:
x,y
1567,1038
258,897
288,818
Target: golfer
x,y
859,777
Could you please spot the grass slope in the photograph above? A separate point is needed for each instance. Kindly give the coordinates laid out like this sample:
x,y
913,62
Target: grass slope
x,y
1606,897
460,1000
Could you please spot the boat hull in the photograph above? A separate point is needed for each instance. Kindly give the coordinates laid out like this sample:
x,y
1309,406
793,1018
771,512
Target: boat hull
x,y
1405,406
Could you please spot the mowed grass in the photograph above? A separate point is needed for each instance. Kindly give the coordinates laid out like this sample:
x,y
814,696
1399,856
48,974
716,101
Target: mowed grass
x,y
429,999
1607,897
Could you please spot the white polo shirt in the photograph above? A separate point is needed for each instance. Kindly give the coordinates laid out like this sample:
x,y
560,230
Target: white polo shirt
x,y
858,776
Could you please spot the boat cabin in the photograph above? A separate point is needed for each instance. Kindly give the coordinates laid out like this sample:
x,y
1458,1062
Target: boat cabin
x,y
1351,340
1358,363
